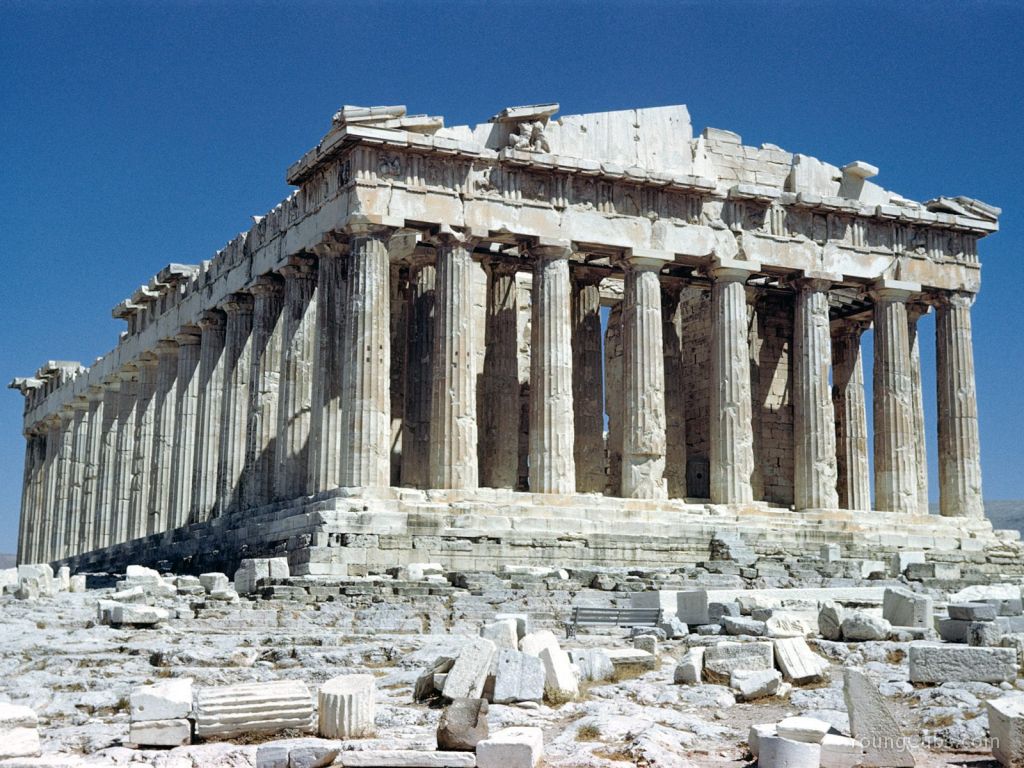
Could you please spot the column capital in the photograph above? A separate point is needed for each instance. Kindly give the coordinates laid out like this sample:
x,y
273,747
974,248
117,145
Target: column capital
x,y
112,383
237,303
80,403
646,259
816,282
94,394
500,264
959,299
854,327
211,318
299,268
128,372
893,290
166,347
362,225
588,275
447,236
188,334
731,270
266,285
550,249
916,309
147,359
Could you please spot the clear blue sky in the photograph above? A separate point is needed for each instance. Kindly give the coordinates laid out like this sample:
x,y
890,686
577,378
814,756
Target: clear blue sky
x,y
137,134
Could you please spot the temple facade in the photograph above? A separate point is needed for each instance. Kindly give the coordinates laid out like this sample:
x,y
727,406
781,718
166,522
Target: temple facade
x,y
595,337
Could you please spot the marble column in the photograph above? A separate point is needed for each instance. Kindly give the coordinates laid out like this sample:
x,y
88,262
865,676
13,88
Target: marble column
x,y
46,550
916,310
107,464
163,436
90,468
39,497
960,492
26,519
613,393
234,416
552,433
731,429
853,467
588,381
814,427
211,396
675,392
366,406
298,345
500,379
419,370
142,457
325,425
895,454
453,427
258,483
124,469
186,408
643,379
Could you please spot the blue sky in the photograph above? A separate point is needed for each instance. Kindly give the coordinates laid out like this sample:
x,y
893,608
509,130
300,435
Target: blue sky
x,y
133,135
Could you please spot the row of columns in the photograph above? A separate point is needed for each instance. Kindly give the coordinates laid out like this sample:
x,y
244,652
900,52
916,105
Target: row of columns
x,y
284,390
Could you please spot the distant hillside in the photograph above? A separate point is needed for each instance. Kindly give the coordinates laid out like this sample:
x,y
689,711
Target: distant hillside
x,y
7,561
1006,514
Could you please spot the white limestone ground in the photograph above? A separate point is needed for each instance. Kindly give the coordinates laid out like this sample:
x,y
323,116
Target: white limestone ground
x,y
79,676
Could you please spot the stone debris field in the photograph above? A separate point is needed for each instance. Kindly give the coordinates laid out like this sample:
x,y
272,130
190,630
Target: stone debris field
x,y
817,661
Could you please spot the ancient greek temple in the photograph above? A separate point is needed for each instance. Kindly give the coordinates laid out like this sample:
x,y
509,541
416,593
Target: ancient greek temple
x,y
584,339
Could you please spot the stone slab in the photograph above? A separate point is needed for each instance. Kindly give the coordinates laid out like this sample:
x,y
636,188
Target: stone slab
x,y
405,758
953,663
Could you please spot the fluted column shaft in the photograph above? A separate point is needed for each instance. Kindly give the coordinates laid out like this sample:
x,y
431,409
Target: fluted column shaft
x,y
211,396
163,436
186,408
298,346
34,537
643,381
90,469
895,454
960,493
588,381
51,508
453,427
915,310
74,475
27,522
325,428
258,483
853,467
107,464
142,464
552,433
124,472
419,371
500,382
234,404
731,430
814,428
366,406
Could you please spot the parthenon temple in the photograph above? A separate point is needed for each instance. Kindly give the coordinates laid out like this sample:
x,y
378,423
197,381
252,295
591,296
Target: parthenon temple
x,y
591,338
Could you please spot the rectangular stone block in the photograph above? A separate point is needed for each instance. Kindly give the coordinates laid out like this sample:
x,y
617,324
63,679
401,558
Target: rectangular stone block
x,y
19,732
950,663
953,630
166,700
160,733
1006,729
692,607
405,758
903,608
972,611
665,599
511,748
519,677
798,663
721,660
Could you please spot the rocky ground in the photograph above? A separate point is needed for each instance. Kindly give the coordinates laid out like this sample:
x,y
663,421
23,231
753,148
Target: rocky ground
x,y
77,674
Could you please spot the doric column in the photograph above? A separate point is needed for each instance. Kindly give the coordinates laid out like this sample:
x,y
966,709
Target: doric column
x,y
72,461
915,310
552,465
298,344
211,396
419,370
500,380
853,467
258,483
124,471
959,445
453,427
27,522
234,415
163,436
366,368
643,378
895,454
675,393
142,458
613,393
107,464
588,380
325,426
46,550
186,409
814,427
90,468
731,430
